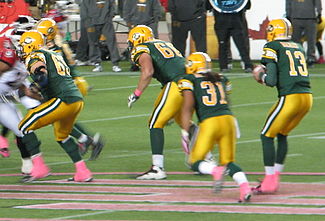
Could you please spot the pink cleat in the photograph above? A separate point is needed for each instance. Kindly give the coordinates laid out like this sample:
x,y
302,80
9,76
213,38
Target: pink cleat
x,y
245,192
4,145
277,180
218,173
82,174
39,170
268,185
4,152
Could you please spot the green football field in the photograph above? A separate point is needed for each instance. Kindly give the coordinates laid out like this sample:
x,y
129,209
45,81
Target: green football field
x,y
115,194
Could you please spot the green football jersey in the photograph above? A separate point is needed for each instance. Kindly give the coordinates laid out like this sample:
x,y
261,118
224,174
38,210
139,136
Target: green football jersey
x,y
73,72
60,83
292,76
210,99
168,62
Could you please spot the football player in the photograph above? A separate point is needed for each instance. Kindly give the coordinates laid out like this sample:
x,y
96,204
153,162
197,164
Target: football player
x,y
62,102
54,42
285,68
13,31
13,76
206,92
162,61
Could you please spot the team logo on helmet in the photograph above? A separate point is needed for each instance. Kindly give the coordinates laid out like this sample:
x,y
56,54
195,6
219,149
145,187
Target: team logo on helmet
x,y
136,36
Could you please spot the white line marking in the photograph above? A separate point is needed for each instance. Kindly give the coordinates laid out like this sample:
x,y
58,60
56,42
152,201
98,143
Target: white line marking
x,y
83,215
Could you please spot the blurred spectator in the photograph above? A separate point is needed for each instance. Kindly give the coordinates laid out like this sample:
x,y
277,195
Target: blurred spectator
x,y
82,52
246,35
319,34
232,25
99,20
188,15
142,12
303,16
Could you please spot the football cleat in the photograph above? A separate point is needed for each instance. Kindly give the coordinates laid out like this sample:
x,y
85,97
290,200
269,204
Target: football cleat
x,y
218,174
84,146
155,173
98,145
268,185
4,143
4,152
39,170
82,174
245,192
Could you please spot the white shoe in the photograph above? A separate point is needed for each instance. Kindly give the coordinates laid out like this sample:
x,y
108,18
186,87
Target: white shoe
x,y
27,165
82,63
116,68
155,173
98,68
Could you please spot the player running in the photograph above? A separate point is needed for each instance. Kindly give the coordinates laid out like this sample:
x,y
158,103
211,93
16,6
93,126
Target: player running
x,y
62,104
206,92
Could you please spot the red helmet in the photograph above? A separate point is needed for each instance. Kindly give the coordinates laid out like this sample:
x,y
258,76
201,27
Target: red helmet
x,y
56,15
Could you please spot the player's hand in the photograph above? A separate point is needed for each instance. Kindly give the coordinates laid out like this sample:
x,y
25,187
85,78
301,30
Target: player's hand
x,y
131,99
186,141
257,71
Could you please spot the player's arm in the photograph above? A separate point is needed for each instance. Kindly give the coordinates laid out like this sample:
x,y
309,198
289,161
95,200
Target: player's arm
x,y
147,71
266,75
39,74
270,78
187,109
31,92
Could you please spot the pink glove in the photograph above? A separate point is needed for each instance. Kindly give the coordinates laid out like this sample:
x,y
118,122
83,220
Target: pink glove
x,y
185,141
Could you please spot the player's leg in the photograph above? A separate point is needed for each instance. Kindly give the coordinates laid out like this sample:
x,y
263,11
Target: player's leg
x,y
227,150
86,140
166,106
302,103
43,115
62,128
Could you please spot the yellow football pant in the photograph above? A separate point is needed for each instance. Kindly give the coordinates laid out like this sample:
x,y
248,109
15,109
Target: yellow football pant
x,y
167,106
286,114
219,130
56,112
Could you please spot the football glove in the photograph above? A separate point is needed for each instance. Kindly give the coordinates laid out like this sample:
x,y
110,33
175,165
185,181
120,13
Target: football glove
x,y
131,99
186,141
258,72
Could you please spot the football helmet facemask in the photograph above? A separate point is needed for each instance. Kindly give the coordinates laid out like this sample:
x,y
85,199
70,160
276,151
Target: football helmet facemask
x,y
48,28
139,34
279,29
198,62
29,42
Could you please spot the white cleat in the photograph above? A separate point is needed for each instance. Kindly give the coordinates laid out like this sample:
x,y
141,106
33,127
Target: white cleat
x,y
155,173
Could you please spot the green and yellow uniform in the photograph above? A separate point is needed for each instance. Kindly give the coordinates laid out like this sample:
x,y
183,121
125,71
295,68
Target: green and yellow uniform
x,y
78,80
168,66
63,101
288,72
217,123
